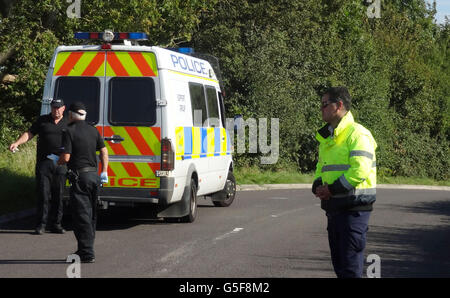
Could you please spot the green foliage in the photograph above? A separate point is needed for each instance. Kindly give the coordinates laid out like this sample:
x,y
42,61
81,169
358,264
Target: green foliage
x,y
277,56
17,183
254,175
33,29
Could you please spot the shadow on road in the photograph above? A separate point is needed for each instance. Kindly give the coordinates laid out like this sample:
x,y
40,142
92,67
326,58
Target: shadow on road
x,y
32,262
23,226
433,207
125,218
415,251
115,218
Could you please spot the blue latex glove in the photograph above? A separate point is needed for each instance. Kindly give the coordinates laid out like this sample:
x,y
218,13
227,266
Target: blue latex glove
x,y
54,158
104,177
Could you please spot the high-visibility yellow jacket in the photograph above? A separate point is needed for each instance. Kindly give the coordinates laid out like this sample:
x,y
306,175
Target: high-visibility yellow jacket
x,y
347,164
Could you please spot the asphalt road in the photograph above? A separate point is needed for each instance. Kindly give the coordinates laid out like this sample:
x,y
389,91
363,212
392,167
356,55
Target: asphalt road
x,y
276,233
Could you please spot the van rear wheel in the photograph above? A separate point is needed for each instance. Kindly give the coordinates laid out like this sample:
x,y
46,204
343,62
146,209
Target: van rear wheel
x,y
192,203
226,196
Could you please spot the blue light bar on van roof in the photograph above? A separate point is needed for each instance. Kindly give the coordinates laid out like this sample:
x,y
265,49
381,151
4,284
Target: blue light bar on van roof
x,y
186,50
117,35
183,50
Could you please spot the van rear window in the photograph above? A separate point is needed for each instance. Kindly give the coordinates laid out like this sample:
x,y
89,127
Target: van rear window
x,y
132,101
84,89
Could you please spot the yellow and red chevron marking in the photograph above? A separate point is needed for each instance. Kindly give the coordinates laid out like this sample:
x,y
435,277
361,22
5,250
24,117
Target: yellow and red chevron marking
x,y
137,140
134,64
80,64
133,175
92,63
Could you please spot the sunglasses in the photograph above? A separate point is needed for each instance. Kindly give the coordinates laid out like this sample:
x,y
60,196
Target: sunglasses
x,y
330,101
326,104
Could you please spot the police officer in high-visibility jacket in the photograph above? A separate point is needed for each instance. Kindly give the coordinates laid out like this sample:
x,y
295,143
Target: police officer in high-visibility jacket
x,y
345,181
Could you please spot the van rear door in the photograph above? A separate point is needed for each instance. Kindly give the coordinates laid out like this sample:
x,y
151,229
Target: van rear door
x,y
119,90
79,76
132,120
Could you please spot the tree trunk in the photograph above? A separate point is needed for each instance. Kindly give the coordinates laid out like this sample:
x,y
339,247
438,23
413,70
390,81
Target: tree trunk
x,y
5,7
6,55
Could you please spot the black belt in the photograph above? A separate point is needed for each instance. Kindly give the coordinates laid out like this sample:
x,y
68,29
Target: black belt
x,y
86,169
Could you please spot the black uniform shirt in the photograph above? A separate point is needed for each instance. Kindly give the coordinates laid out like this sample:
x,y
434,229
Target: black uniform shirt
x,y
49,135
81,141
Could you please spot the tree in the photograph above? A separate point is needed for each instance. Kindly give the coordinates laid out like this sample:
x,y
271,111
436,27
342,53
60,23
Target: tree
x,y
278,56
31,30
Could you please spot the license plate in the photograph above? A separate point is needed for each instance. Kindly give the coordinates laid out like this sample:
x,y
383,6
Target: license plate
x,y
162,173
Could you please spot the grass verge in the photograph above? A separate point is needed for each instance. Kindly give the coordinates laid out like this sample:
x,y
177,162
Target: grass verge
x,y
17,182
256,176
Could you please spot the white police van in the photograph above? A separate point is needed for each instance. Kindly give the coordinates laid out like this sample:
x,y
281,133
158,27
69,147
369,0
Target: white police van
x,y
161,114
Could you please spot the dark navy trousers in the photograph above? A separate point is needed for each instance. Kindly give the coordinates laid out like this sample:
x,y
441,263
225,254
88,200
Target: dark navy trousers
x,y
347,238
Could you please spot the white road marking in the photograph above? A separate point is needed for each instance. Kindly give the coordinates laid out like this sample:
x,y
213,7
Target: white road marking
x,y
172,258
175,254
286,212
226,235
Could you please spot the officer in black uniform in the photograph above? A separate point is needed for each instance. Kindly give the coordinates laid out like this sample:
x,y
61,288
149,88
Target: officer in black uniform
x,y
50,177
80,142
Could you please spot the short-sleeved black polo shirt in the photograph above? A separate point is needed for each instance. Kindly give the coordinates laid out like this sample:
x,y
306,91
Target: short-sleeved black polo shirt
x,y
49,135
81,141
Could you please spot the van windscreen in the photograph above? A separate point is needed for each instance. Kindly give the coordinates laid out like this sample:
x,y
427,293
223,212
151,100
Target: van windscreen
x,y
86,90
132,101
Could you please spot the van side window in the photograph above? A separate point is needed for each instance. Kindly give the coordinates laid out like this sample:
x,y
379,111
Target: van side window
x,y
85,89
132,101
198,104
222,109
213,107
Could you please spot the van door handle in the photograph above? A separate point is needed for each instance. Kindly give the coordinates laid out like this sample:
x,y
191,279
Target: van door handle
x,y
114,139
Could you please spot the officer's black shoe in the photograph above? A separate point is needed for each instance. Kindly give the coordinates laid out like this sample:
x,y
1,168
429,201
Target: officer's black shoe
x,y
87,260
57,230
40,230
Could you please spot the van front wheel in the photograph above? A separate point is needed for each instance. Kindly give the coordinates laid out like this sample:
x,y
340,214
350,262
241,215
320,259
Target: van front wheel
x,y
226,196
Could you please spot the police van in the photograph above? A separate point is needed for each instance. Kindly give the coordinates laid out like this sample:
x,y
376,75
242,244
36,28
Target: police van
x,y
161,114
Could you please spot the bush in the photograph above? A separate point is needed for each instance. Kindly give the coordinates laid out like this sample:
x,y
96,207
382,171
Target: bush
x,y
278,56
